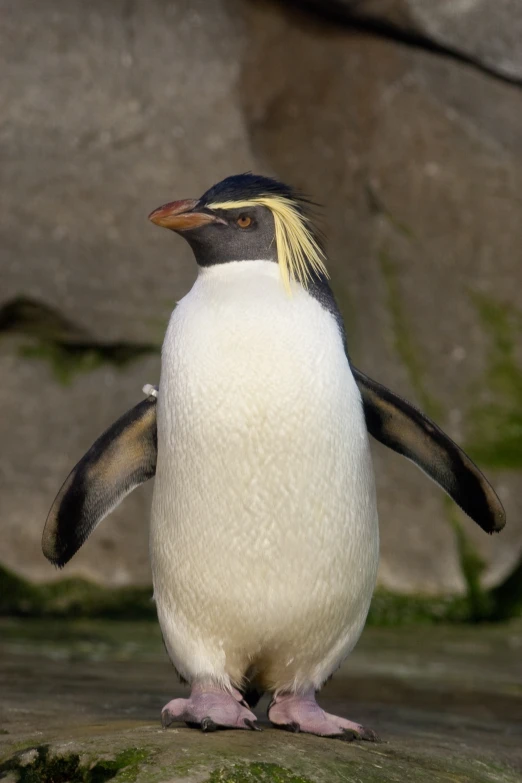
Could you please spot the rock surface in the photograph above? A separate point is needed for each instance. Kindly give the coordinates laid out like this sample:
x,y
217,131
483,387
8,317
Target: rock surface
x,y
86,697
485,32
112,108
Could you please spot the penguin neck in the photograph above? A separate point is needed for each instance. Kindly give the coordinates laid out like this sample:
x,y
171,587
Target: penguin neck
x,y
240,282
232,270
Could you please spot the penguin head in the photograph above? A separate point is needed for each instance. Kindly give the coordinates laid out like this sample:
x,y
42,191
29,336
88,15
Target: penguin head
x,y
248,217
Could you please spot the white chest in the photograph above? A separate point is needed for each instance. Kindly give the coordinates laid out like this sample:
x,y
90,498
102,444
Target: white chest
x,y
264,474
255,387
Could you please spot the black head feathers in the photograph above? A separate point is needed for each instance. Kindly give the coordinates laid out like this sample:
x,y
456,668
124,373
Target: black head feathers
x,y
248,186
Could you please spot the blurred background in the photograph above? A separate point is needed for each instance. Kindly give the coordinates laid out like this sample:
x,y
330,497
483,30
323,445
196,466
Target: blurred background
x,y
402,118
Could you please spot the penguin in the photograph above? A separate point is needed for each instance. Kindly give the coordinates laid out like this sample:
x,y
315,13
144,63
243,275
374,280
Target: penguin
x,y
264,539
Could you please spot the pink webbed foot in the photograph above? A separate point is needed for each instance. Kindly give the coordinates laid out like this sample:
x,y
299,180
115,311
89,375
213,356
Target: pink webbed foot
x,y
295,712
210,708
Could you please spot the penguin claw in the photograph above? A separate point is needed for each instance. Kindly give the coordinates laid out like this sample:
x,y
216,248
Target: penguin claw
x,y
347,735
166,719
294,727
368,735
301,713
207,724
209,709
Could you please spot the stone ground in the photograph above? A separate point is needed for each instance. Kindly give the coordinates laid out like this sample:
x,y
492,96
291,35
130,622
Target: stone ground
x,y
81,701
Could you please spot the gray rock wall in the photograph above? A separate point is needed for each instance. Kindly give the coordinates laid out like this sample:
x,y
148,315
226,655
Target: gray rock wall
x,y
110,109
485,32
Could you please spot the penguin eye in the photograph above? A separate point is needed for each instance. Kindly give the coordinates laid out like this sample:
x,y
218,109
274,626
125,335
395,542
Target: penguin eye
x,y
244,221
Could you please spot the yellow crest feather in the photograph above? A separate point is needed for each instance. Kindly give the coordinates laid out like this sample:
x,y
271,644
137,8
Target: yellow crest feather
x,y
298,252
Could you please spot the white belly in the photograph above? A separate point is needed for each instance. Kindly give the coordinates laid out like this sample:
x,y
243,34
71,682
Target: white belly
x,y
264,537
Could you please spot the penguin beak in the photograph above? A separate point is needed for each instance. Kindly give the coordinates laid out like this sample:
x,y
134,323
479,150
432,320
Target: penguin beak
x,y
179,216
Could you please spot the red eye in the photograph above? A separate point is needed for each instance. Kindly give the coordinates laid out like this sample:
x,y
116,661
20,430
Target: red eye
x,y
244,221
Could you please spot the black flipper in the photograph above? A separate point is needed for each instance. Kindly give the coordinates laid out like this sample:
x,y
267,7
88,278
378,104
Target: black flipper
x,y
121,459
400,426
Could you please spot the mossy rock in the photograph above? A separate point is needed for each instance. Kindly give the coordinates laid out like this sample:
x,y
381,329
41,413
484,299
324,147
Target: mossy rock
x,y
256,773
495,416
41,765
189,756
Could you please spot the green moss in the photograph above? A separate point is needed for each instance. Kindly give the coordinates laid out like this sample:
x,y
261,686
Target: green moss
x,y
256,773
42,767
72,598
495,423
480,603
393,609
68,360
67,349
403,338
126,766
507,596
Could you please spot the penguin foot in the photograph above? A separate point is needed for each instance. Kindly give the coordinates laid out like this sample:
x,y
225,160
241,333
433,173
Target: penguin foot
x,y
210,708
301,713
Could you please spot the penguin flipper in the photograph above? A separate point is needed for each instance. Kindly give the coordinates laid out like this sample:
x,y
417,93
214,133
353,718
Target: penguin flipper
x,y
121,459
404,429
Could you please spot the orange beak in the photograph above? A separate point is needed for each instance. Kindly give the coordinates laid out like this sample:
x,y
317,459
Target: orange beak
x,y
177,216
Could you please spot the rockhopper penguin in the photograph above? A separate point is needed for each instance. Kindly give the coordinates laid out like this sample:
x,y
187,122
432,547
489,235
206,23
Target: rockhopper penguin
x,y
264,538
